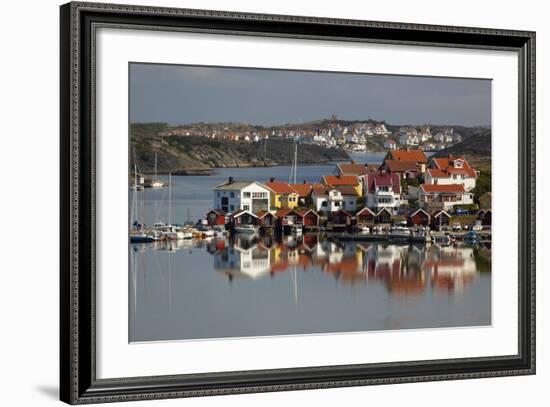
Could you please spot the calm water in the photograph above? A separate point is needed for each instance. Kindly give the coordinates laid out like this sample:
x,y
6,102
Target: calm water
x,y
269,286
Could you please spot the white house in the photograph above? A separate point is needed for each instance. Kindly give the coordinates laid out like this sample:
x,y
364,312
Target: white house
x,y
443,196
383,191
409,139
246,195
390,144
451,170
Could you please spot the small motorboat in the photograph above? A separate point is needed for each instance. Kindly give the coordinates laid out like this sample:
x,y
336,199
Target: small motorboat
x,y
142,238
442,240
472,238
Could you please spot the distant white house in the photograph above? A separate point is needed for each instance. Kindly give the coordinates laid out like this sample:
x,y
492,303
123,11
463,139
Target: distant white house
x,y
250,196
390,144
409,139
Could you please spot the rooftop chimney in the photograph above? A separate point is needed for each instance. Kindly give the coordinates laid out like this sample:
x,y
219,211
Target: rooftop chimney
x,y
271,179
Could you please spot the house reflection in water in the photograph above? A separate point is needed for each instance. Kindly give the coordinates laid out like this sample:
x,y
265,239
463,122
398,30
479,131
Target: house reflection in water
x,y
402,269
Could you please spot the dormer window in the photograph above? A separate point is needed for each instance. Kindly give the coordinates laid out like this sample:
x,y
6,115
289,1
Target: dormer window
x,y
458,163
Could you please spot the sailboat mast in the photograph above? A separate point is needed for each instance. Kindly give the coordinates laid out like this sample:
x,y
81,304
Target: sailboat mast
x,y
170,198
155,166
295,160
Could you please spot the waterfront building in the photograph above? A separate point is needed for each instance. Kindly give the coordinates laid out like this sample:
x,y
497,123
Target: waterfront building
x,y
243,217
216,217
383,191
418,217
384,216
365,217
443,196
417,156
440,218
485,216
451,170
246,195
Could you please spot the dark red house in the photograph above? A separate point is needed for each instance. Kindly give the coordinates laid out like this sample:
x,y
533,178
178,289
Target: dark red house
x,y
242,217
310,218
440,218
216,217
340,218
365,217
266,219
418,217
384,215
485,216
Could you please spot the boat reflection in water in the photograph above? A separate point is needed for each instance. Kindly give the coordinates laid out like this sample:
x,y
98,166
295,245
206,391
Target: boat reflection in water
x,y
251,286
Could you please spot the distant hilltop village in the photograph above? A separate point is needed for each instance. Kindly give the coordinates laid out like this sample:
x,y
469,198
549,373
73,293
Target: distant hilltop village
x,y
357,136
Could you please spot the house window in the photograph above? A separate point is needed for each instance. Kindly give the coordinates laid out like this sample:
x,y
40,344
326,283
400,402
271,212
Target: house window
x,y
246,194
246,207
336,203
231,208
232,194
324,204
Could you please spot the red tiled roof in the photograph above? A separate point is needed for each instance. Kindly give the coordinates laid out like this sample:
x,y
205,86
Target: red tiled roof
x,y
346,190
451,188
446,164
365,209
389,180
262,213
411,155
340,180
217,212
401,166
304,211
352,169
240,212
373,168
302,189
283,212
280,187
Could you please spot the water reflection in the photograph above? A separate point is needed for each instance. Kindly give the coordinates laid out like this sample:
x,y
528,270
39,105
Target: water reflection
x,y
189,289
404,269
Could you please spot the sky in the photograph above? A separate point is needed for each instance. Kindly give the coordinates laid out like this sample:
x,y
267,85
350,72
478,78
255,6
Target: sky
x,y
183,94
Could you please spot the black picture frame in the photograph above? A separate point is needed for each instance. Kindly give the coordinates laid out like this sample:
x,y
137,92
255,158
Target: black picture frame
x,y
78,382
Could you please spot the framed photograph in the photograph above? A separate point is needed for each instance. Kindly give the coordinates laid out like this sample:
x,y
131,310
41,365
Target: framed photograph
x,y
254,203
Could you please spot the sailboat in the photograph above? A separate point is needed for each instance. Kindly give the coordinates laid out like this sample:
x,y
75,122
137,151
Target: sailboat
x,y
154,182
138,180
169,231
137,233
